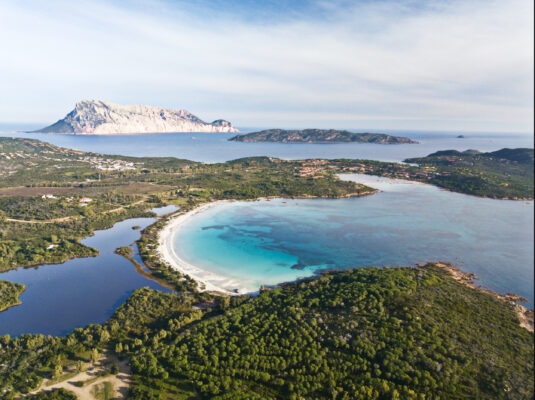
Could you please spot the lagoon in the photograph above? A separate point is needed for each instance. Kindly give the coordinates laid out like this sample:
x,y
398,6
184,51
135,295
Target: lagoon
x,y
59,298
273,241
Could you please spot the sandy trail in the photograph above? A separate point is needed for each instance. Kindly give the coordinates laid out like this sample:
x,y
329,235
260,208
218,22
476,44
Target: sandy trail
x,y
120,382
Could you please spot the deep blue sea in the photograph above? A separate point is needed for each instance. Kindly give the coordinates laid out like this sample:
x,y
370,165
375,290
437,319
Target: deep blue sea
x,y
259,242
215,147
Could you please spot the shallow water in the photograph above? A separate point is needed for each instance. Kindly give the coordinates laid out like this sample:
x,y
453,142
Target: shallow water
x,y
404,224
62,297
215,147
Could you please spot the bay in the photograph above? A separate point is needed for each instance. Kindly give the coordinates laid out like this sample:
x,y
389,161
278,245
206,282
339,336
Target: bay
x,y
274,241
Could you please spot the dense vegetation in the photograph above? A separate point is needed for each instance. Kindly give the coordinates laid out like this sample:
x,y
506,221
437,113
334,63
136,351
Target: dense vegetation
x,y
503,174
56,394
506,173
319,136
357,334
9,294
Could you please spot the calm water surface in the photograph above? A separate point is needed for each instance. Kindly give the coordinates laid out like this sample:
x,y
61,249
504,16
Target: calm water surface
x,y
259,242
59,298
215,147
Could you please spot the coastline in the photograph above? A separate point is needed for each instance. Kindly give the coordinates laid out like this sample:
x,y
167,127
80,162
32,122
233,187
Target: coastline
x,y
380,182
525,315
17,303
208,281
211,282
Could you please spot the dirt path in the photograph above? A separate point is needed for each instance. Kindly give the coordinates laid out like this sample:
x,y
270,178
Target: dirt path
x,y
119,382
63,219
123,207
44,221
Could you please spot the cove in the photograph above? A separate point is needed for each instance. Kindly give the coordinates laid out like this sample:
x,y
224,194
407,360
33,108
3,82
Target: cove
x,y
274,241
61,297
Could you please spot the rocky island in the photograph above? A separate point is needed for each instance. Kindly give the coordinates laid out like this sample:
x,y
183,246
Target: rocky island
x,y
96,117
319,136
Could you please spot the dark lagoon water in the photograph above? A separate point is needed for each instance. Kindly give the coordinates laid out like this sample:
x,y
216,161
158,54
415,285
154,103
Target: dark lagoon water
x,y
255,243
62,297
215,147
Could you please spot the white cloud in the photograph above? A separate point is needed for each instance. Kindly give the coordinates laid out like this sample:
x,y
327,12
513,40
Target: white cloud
x,y
380,65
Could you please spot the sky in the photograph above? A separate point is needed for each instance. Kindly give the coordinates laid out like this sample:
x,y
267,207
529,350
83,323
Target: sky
x,y
423,65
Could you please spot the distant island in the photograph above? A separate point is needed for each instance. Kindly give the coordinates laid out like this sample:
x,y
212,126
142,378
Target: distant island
x,y
96,117
319,136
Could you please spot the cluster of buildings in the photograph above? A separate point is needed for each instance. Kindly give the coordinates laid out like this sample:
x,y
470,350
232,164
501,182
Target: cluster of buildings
x,y
10,156
109,164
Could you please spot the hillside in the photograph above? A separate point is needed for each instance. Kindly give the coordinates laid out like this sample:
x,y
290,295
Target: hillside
x,y
103,118
505,173
319,136
370,333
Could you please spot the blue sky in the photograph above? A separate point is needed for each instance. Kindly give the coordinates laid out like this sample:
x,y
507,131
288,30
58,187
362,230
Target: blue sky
x,y
427,65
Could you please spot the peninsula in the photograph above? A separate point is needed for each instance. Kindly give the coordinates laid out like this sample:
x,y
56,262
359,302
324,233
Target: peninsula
x,y
96,117
319,136
9,294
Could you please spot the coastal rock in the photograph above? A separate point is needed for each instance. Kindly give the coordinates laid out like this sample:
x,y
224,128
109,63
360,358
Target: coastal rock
x,y
96,117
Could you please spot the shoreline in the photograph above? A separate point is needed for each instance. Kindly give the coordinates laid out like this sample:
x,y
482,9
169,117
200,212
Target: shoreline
x,y
370,179
525,315
211,281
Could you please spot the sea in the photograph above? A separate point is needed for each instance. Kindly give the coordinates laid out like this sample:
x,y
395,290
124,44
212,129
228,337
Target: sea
x,y
267,242
215,147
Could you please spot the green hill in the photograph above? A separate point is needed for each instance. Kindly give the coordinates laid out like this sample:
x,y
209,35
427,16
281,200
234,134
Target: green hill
x,y
506,173
369,333
319,136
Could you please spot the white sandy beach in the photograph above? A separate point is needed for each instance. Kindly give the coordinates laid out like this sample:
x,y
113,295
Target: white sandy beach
x,y
211,281
207,280
378,182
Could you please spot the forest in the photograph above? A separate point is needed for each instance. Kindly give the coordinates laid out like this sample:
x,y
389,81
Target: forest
x,y
367,333
9,294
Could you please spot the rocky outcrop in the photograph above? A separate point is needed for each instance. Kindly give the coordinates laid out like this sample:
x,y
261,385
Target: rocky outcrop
x,y
95,117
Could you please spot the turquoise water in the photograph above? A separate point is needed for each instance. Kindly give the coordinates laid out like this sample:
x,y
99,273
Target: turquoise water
x,y
259,242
